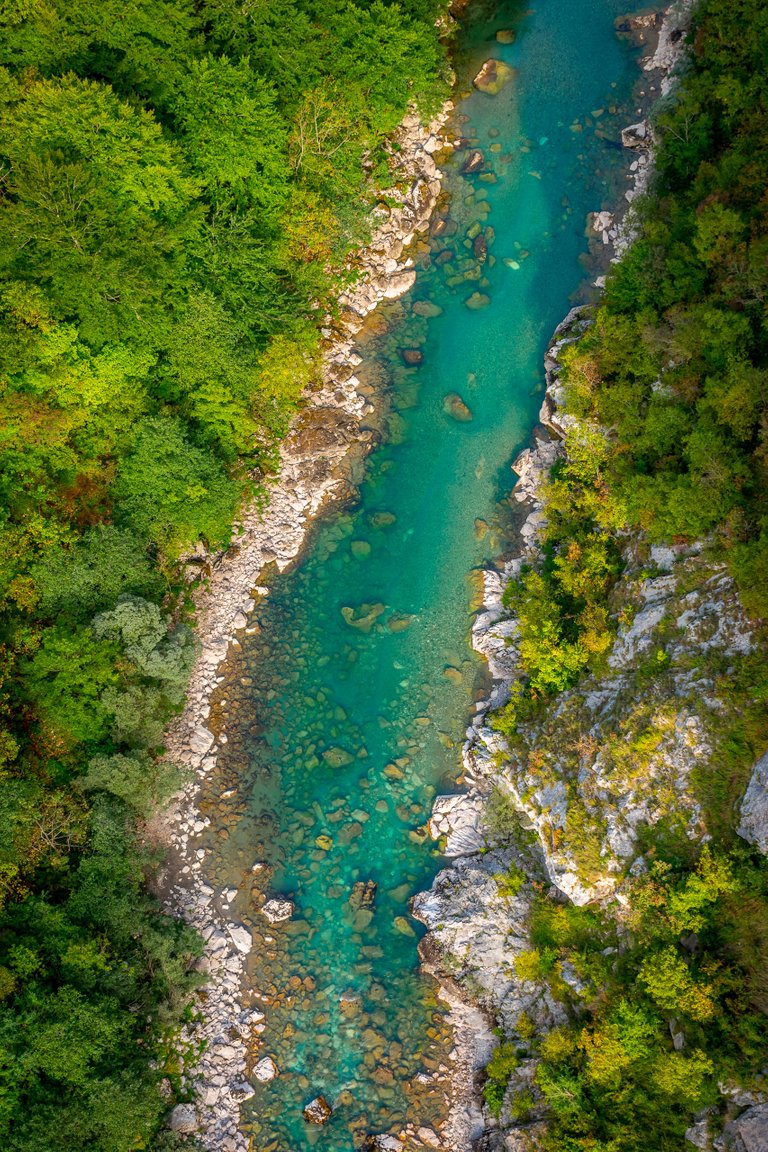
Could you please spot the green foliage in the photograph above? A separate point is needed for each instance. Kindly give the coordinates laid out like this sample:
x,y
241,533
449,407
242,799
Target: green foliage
x,y
65,679
499,1069
509,883
139,780
182,184
102,565
617,1071
170,492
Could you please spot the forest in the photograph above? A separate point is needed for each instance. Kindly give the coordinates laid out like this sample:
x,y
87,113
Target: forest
x,y
670,388
180,184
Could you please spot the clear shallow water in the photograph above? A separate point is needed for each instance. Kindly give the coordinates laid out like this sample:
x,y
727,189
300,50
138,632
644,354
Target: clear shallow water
x,y
346,709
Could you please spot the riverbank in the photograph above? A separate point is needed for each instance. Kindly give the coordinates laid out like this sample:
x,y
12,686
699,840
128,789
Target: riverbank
x,y
477,928
328,436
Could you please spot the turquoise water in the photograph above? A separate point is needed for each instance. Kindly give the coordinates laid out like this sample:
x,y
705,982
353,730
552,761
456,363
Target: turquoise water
x,y
347,708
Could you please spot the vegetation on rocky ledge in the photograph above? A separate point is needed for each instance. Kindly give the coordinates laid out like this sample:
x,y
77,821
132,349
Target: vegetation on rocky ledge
x,y
179,182
665,988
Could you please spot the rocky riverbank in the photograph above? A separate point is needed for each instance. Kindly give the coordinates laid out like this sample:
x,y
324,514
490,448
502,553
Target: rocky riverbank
x,y
330,433
512,820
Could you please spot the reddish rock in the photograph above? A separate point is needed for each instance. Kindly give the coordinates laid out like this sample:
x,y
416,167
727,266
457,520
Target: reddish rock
x,y
318,1111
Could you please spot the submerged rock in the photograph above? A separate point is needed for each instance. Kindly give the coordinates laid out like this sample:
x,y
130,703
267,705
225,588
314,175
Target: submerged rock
x,y
506,36
363,894
473,162
493,76
337,757
454,406
412,357
427,309
318,1111
364,617
477,300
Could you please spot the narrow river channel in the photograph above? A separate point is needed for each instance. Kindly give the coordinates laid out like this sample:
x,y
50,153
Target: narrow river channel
x,y
347,705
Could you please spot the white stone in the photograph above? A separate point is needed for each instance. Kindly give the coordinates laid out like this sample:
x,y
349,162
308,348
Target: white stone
x,y
183,1119
754,807
265,1070
276,910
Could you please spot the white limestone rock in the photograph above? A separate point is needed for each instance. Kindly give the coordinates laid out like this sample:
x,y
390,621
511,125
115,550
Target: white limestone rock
x,y
183,1119
277,910
265,1070
754,807
241,938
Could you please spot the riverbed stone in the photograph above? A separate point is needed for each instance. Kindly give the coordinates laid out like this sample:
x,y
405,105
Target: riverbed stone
x,y
265,1070
183,1119
318,1111
477,301
493,76
454,406
241,938
278,909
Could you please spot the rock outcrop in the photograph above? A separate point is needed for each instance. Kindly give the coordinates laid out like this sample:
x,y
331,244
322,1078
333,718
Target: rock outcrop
x,y
754,807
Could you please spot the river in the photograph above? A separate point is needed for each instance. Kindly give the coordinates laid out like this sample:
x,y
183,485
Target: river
x,y
347,705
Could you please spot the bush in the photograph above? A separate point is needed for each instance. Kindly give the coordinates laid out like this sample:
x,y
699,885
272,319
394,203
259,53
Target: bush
x,y
172,493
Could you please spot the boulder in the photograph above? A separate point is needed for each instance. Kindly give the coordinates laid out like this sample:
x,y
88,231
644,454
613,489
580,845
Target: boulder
x,y
363,894
411,356
506,36
241,938
201,740
754,807
427,309
644,22
636,135
265,1070
429,1137
749,1132
384,1143
183,1119
473,162
454,406
318,1111
480,248
493,76
276,910
477,300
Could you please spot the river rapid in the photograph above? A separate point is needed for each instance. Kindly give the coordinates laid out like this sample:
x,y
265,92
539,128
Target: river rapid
x,y
346,706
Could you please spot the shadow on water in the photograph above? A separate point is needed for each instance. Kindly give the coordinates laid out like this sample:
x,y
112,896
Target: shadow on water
x,y
346,709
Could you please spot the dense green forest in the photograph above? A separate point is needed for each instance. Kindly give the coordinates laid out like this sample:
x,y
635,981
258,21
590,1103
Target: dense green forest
x,y
180,182
670,387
